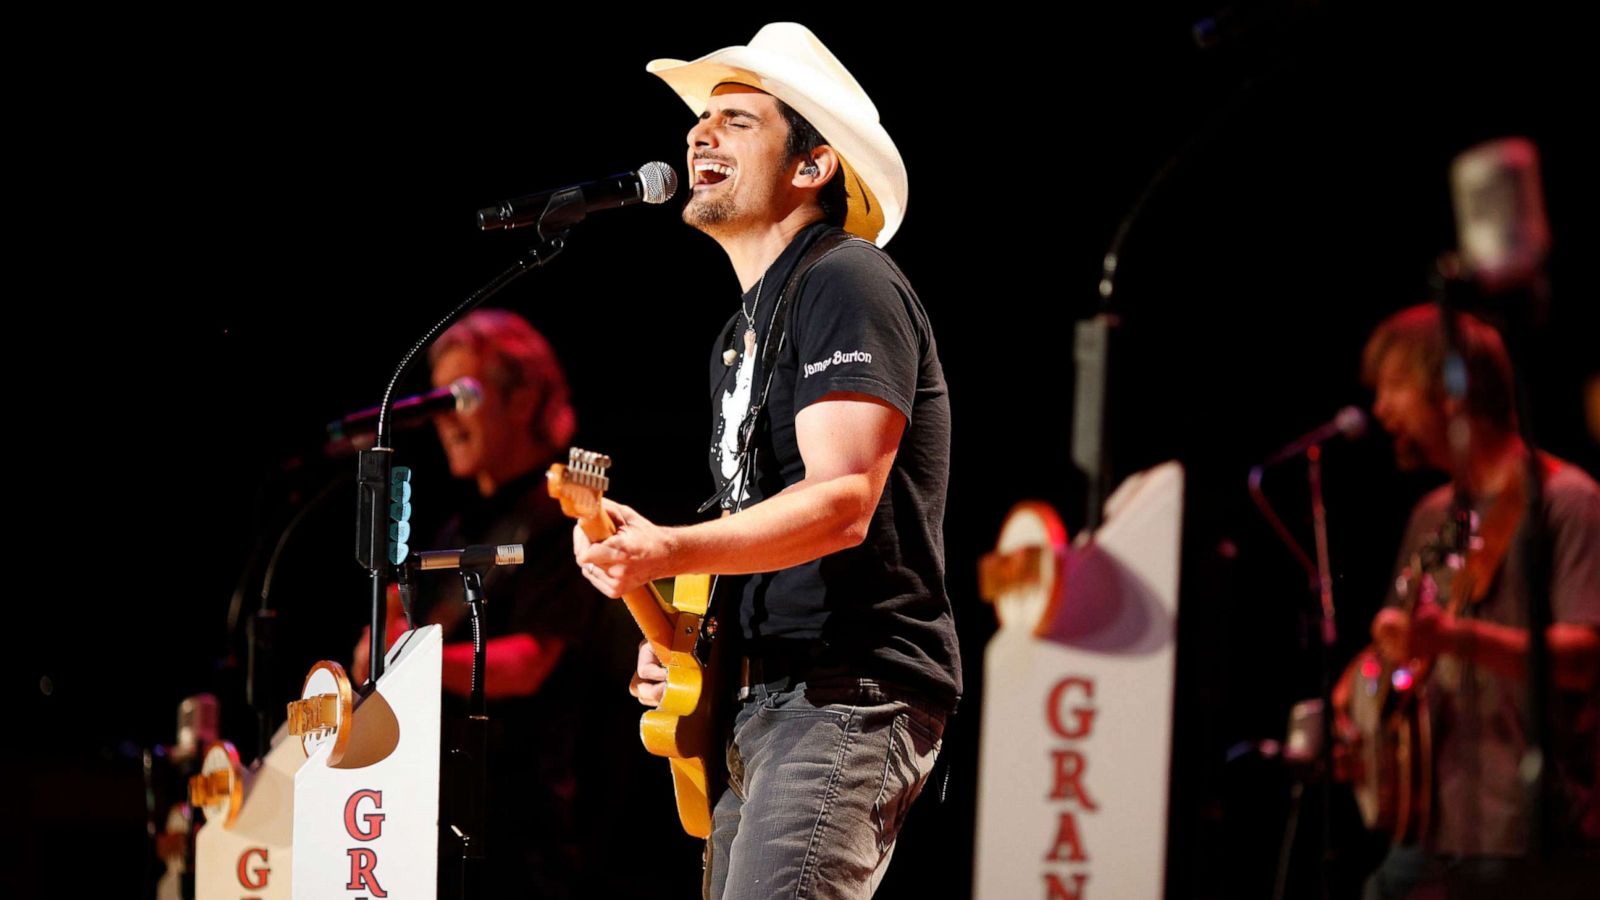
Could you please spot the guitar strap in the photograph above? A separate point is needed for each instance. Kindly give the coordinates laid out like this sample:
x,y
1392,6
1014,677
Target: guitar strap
x,y
754,421
1496,532
771,347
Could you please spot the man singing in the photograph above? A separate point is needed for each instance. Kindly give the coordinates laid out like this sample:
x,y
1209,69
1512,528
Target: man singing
x,y
831,453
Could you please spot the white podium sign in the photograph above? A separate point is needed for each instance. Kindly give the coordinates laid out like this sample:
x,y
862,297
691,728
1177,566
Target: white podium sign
x,y
368,826
249,858
1077,702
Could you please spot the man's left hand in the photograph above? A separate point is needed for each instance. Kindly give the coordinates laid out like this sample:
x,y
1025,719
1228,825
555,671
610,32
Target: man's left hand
x,y
638,553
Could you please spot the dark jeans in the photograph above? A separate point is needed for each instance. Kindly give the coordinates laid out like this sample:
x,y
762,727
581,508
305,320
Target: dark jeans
x,y
820,776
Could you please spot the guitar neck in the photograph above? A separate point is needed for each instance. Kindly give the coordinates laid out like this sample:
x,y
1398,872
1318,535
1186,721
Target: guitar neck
x,y
645,604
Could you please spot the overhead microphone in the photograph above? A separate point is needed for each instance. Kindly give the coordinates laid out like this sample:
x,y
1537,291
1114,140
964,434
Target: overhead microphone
x,y
557,210
357,430
1501,228
1349,422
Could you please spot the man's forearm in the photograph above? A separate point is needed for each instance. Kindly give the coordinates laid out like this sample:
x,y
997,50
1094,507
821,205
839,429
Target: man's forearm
x,y
1574,650
848,445
806,521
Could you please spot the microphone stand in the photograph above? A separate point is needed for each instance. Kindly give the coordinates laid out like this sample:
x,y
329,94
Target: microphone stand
x,y
374,466
372,551
1320,575
1093,337
1093,343
470,757
1330,640
1453,294
261,629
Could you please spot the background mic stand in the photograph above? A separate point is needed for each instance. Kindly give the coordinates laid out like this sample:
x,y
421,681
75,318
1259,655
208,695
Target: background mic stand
x,y
378,546
1518,308
1320,579
469,759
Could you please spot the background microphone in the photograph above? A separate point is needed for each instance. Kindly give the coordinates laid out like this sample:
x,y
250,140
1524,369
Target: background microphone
x,y
1501,227
357,430
1350,422
477,556
557,210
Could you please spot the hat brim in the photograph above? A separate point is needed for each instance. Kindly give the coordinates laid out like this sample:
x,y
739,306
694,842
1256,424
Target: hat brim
x,y
874,173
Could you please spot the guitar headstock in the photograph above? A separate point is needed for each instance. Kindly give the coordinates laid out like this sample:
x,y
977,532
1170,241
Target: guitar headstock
x,y
580,483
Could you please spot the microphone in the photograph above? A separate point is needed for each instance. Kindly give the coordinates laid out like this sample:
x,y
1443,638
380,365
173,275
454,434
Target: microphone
x,y
560,209
357,430
1350,422
198,718
1500,220
477,556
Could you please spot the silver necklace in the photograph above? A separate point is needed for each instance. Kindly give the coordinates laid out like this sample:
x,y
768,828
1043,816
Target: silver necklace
x,y
730,355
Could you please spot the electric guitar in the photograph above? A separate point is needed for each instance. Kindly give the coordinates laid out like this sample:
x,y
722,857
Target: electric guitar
x,y
683,727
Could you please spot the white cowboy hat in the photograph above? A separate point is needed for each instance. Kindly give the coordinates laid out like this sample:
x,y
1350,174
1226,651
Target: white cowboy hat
x,y
787,61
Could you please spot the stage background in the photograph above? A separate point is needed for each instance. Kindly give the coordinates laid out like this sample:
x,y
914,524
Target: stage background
x,y
224,241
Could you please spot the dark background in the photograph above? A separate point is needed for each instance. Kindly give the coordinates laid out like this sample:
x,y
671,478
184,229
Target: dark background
x,y
223,241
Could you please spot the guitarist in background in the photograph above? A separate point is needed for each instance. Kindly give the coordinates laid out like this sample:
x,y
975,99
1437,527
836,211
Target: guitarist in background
x,y
1476,692
547,636
845,648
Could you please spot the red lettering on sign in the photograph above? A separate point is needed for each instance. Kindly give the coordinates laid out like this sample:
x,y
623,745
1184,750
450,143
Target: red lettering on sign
x,y
362,862
1068,781
253,879
1055,889
1070,713
1083,715
1067,839
372,820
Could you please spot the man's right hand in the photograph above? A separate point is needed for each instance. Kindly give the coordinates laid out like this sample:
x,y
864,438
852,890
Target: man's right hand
x,y
649,682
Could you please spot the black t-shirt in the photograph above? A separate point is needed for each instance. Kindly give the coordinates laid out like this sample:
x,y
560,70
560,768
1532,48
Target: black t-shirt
x,y
854,324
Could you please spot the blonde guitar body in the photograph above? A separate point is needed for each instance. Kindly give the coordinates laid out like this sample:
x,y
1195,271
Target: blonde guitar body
x,y
683,727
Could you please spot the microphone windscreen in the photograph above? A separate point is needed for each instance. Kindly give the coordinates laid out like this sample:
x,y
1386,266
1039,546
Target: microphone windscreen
x,y
660,182
1500,220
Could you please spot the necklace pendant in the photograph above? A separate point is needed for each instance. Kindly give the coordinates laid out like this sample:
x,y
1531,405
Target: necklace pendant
x,y
730,355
